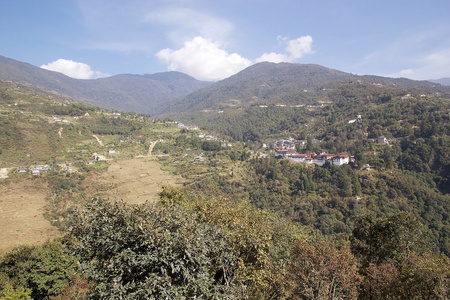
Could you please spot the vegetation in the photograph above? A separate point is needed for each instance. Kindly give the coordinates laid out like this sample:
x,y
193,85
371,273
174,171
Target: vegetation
x,y
245,225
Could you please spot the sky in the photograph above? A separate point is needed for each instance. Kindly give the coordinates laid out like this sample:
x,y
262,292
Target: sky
x,y
214,39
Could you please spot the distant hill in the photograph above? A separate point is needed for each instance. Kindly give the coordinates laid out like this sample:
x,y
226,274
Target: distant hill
x,y
444,81
271,83
174,93
257,83
141,93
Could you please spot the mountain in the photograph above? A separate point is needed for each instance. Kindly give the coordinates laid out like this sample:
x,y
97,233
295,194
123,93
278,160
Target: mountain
x,y
257,83
444,81
141,93
273,83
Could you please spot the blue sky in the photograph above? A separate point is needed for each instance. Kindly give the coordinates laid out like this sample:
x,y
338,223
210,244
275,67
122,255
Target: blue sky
x,y
214,39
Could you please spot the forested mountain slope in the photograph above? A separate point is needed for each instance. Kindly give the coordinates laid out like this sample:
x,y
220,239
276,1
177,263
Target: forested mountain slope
x,y
140,93
283,84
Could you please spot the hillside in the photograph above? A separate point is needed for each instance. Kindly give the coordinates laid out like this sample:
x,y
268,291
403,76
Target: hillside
x,y
140,93
283,84
267,99
57,153
242,223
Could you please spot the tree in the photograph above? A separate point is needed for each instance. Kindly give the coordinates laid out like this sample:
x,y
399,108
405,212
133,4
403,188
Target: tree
x,y
323,271
151,252
9,290
380,282
390,239
76,289
260,241
44,270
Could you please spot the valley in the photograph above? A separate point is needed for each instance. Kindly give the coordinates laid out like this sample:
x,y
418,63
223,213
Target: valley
x,y
205,187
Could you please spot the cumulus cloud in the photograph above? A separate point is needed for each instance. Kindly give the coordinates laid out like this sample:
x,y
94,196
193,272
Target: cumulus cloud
x,y
203,59
295,49
73,69
206,60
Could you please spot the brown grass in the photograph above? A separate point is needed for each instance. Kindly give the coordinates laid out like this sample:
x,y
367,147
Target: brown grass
x,y
22,205
137,180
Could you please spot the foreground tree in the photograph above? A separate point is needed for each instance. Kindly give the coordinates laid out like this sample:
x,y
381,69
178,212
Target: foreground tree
x,y
323,271
397,261
10,290
44,269
151,252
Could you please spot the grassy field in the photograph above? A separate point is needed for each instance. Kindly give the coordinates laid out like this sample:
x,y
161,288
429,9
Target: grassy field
x,y
22,207
136,180
23,201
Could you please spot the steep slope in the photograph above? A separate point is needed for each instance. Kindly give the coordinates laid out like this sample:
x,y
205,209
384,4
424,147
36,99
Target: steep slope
x,y
141,93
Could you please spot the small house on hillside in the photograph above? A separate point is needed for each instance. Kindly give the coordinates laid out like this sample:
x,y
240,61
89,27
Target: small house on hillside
x,y
340,160
382,140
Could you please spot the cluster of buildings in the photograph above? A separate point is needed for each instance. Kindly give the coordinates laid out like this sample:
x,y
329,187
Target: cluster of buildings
x,y
56,119
35,169
313,158
191,127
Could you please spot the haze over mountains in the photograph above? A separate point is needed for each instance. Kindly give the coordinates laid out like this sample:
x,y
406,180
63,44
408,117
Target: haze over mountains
x,y
139,93
174,92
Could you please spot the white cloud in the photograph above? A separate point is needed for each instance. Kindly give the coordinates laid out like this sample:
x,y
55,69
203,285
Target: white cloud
x,y
273,57
185,24
430,66
295,49
206,60
73,69
203,59
299,47
406,73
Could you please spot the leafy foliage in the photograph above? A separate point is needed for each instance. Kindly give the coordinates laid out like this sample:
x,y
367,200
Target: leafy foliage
x,y
322,271
44,270
146,252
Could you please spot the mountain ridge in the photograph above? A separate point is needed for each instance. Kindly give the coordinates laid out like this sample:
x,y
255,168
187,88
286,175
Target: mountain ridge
x,y
169,94
266,83
142,93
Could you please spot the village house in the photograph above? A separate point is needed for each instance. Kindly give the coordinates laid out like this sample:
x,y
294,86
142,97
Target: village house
x,y
313,158
340,160
382,140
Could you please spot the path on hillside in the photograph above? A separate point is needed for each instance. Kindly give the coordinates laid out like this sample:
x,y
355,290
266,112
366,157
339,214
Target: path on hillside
x,y
150,148
98,140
